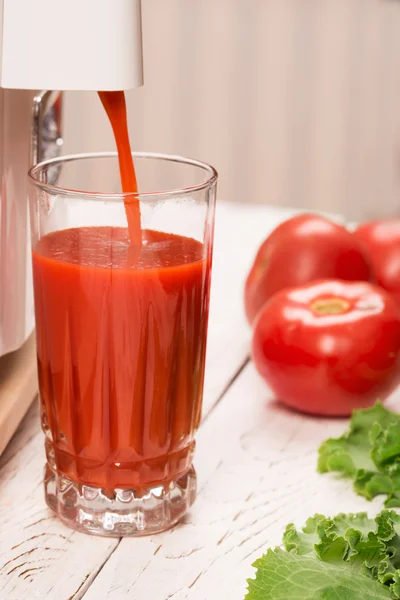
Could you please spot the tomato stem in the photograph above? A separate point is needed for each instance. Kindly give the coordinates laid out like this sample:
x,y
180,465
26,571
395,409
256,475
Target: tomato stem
x,y
330,306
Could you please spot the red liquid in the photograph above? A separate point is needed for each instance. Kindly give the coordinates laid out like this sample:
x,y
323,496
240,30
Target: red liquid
x,y
121,352
115,107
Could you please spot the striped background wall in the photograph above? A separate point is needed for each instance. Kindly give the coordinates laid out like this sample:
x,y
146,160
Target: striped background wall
x,y
296,102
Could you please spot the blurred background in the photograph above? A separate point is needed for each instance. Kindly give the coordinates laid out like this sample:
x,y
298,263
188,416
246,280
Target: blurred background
x,y
295,102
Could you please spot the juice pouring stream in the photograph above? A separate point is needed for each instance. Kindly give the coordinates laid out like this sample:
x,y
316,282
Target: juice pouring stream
x,y
115,107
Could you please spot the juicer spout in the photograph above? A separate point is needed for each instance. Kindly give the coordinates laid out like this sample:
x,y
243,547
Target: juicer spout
x,y
70,44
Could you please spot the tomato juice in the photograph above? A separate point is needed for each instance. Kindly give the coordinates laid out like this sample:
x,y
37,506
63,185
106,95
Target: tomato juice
x,y
121,353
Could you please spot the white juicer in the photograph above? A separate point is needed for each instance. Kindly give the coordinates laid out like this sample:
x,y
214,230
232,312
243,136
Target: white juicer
x,y
46,46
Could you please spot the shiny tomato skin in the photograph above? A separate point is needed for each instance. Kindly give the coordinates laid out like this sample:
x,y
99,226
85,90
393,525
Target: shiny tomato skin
x,y
329,364
304,248
382,241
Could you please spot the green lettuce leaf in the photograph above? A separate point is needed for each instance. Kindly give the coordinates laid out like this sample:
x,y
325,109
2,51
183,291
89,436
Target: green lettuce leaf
x,y
368,453
285,576
348,557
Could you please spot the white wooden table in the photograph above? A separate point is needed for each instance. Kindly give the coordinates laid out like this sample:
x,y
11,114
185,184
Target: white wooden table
x,y
256,464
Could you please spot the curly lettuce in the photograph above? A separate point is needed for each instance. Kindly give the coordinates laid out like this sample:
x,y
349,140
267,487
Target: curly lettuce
x,y
368,453
348,557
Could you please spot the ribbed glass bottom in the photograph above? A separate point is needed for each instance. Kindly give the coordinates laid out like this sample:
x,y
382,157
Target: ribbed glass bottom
x,y
120,512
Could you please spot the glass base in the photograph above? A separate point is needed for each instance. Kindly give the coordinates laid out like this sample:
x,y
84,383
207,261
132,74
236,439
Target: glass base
x,y
120,512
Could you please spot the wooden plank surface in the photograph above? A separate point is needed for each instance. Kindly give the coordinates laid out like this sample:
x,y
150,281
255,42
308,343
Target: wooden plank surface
x,y
39,557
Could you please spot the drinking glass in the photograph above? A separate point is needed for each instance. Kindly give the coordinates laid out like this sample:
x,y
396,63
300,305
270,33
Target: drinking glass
x,y
121,336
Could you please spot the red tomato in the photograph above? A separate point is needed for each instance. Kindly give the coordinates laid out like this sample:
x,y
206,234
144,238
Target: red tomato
x,y
382,240
329,347
300,250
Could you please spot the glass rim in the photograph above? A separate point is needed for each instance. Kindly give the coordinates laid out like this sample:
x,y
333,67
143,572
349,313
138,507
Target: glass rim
x,y
59,160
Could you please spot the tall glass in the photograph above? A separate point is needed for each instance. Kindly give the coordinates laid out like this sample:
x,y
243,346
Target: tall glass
x,y
121,337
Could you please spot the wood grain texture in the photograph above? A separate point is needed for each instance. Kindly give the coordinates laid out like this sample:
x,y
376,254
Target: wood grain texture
x,y
39,557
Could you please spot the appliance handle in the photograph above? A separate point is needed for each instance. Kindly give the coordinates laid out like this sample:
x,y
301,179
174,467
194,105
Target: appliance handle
x,y
46,136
